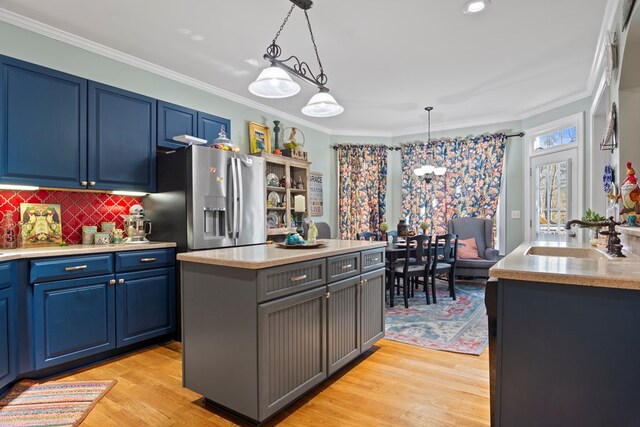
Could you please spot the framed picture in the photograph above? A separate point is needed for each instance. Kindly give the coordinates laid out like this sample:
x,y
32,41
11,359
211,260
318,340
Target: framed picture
x,y
41,224
627,8
315,193
259,138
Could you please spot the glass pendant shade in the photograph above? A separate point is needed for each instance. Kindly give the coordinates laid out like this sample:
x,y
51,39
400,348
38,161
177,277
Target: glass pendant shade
x,y
439,171
274,82
322,105
420,171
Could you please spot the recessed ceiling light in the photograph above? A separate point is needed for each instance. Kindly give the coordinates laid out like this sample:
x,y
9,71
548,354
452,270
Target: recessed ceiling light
x,y
184,31
476,6
197,38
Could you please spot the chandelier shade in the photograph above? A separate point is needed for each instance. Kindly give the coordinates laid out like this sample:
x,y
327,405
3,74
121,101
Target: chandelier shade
x,y
429,170
322,104
274,82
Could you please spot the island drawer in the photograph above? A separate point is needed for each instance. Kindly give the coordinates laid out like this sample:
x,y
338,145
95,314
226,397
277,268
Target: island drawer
x,y
139,260
343,266
289,279
372,259
47,269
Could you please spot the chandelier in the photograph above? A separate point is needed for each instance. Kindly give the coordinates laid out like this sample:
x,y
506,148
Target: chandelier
x,y
429,169
275,81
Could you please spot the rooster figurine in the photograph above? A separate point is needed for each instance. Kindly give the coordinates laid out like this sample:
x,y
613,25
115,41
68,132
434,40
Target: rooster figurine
x,y
629,191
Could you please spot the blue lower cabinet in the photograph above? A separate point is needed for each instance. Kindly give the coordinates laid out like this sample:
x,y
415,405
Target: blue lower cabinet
x,y
73,318
145,305
7,337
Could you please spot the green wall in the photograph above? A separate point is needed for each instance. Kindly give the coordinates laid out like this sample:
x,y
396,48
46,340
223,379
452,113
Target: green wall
x,y
19,43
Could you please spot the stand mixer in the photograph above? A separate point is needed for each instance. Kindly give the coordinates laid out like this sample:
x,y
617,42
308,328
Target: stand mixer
x,y
136,226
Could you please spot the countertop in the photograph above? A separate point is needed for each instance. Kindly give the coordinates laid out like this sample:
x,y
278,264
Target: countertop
x,y
599,270
263,256
51,251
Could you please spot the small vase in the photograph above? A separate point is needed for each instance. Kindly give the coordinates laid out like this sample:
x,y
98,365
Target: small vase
x,y
593,236
9,240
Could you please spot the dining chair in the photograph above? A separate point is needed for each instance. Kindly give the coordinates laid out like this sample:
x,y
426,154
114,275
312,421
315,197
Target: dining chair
x,y
444,262
367,235
416,267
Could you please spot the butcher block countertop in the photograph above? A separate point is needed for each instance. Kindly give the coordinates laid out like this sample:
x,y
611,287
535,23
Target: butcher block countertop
x,y
570,264
263,256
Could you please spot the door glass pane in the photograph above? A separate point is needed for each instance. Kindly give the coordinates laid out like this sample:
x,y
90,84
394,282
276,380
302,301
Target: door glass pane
x,y
551,188
555,139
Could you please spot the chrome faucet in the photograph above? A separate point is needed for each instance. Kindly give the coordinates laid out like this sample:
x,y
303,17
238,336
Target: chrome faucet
x,y
614,247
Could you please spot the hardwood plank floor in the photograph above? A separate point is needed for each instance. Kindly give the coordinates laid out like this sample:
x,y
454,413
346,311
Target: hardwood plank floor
x,y
394,384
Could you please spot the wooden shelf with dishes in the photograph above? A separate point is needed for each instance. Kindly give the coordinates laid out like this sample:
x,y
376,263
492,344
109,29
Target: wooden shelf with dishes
x,y
285,178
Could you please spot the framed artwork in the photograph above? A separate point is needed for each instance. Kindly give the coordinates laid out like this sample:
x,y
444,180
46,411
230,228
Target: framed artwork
x,y
315,193
259,138
41,224
627,8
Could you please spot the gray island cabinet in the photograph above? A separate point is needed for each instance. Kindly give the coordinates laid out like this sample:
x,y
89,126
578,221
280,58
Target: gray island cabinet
x,y
262,325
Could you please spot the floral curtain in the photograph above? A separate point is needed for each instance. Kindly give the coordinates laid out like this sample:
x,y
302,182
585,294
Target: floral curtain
x,y
362,188
469,188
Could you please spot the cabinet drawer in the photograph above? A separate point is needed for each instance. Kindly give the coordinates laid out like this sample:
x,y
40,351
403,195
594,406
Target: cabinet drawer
x,y
372,259
138,260
44,270
6,273
343,266
288,279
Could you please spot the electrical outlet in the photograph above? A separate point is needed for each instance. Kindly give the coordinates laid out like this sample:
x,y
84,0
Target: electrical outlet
x,y
515,214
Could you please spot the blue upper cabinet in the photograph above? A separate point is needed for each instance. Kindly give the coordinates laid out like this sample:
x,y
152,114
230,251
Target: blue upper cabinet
x,y
209,126
174,120
122,139
43,118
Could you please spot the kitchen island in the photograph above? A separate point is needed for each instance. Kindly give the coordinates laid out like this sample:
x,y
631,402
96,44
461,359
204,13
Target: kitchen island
x,y
567,349
262,325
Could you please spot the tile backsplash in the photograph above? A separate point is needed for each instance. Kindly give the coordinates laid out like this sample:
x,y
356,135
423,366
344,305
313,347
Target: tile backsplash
x,y
78,208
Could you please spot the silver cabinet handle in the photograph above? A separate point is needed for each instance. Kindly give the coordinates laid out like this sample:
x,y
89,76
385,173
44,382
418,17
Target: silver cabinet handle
x,y
120,281
298,278
77,267
344,267
375,259
327,295
112,281
83,183
92,183
148,259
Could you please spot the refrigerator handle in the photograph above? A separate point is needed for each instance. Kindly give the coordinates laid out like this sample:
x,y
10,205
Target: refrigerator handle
x,y
231,195
240,197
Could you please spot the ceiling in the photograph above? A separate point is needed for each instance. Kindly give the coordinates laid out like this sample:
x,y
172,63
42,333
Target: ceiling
x,y
385,60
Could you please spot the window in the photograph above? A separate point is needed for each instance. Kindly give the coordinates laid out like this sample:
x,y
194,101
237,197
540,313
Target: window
x,y
555,139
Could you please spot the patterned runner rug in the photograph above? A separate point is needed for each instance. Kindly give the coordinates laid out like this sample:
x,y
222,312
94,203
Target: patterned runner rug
x,y
30,403
459,326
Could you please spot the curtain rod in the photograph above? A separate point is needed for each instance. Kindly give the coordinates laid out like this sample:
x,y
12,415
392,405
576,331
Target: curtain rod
x,y
391,148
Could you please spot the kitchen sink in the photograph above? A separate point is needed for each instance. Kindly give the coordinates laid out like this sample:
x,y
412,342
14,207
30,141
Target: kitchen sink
x,y
584,253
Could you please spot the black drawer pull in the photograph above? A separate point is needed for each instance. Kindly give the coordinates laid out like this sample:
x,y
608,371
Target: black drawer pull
x,y
148,259
77,267
298,278
344,267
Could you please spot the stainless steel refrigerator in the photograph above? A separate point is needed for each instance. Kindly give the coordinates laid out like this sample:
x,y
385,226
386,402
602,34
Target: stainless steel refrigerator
x,y
208,198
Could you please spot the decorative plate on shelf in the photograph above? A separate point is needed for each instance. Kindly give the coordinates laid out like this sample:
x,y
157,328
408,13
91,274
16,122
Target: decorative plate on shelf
x,y
607,178
272,219
307,246
273,199
273,180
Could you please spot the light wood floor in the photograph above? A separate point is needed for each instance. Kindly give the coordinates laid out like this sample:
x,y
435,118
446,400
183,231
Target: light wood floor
x,y
395,384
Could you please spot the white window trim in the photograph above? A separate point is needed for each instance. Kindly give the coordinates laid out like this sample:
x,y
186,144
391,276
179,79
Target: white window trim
x,y
531,134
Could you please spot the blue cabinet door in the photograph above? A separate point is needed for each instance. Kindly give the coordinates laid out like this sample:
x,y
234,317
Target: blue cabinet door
x,y
43,116
73,319
122,140
7,337
145,305
174,120
209,126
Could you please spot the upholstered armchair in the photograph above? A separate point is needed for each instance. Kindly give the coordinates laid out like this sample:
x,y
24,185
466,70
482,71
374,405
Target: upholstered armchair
x,y
482,230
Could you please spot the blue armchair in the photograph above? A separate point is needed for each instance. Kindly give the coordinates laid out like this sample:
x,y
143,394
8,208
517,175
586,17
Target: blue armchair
x,y
482,230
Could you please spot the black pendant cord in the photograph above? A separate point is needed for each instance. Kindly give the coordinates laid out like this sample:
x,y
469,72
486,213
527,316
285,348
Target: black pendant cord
x,y
286,18
322,77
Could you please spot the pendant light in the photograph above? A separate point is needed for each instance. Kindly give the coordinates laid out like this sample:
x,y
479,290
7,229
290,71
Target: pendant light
x,y
275,81
429,170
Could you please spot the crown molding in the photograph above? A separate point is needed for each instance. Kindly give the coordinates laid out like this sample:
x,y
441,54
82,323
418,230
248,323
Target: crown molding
x,y
97,48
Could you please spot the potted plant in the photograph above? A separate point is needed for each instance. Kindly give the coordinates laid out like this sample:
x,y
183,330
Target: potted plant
x,y
384,227
592,216
423,226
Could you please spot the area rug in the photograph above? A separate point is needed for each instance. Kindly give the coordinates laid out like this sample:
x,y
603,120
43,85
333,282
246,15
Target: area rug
x,y
459,326
30,403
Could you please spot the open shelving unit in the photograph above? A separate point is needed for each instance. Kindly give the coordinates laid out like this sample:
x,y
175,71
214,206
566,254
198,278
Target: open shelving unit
x,y
293,170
